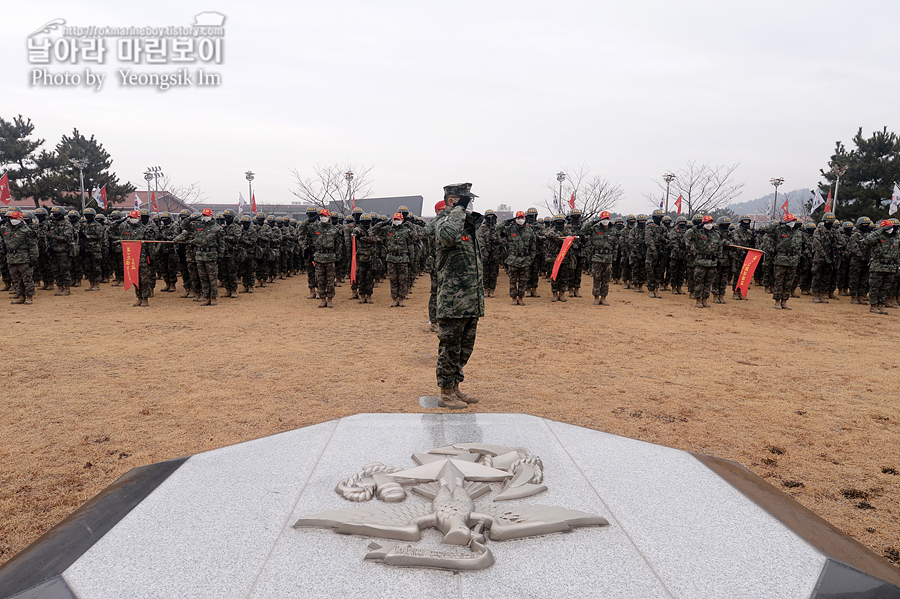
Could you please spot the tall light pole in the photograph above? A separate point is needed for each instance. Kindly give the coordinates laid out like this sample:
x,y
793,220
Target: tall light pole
x,y
80,164
669,177
155,172
249,176
148,176
560,176
776,182
838,171
349,177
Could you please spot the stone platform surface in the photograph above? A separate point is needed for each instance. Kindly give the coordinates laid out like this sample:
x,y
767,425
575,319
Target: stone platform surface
x,y
219,525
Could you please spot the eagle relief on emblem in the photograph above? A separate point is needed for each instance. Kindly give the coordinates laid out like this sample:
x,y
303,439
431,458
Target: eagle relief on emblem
x,y
451,479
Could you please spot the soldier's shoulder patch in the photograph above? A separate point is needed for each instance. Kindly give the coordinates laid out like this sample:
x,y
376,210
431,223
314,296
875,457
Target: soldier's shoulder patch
x,y
515,234
465,238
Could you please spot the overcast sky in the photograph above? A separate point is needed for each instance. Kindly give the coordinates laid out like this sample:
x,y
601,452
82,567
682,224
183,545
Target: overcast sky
x,y
502,94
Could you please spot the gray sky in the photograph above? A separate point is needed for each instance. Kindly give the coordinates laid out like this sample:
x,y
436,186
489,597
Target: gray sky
x,y
502,94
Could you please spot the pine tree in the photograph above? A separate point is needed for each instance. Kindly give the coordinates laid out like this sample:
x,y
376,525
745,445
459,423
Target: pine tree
x,y
96,173
31,174
872,169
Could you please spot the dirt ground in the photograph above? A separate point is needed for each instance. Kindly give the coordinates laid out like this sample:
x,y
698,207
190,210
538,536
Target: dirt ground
x,y
92,387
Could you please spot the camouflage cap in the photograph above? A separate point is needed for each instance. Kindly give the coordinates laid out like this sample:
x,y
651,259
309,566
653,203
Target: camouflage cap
x,y
459,189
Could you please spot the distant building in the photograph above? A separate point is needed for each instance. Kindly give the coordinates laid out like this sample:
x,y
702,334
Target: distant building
x,y
386,206
503,213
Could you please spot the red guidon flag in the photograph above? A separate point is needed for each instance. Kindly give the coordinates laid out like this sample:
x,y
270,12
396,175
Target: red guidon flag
x,y
5,196
567,243
153,202
828,202
131,256
353,262
253,203
747,270
784,206
678,205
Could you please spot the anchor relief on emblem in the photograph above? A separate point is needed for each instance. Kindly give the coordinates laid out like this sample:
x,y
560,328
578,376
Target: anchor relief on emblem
x,y
451,479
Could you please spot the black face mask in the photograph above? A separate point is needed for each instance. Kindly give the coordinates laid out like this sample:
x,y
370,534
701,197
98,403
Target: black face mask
x,y
723,228
365,224
745,225
89,218
57,216
145,218
828,224
657,219
681,226
73,219
530,218
311,217
558,225
641,224
620,226
246,224
357,217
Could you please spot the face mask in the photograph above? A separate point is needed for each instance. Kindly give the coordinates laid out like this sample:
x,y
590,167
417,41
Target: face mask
x,y
245,225
889,230
14,221
708,226
324,219
397,223
794,225
206,219
520,221
133,221
605,222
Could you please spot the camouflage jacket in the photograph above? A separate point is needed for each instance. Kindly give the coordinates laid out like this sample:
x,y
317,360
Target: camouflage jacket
x,y
743,237
326,241
788,245
857,249
706,246
247,243
555,239
638,246
21,243
209,239
232,236
602,242
521,244
677,245
825,246
885,251
655,237
94,235
61,236
399,241
366,244
458,264
140,232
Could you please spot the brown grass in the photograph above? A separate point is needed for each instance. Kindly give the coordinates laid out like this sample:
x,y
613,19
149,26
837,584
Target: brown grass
x,y
94,387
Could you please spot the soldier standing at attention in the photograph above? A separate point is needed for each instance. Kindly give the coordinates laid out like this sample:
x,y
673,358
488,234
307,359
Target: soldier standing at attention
x,y
460,301
883,262
210,241
134,230
602,242
22,254
61,245
490,251
430,266
521,243
326,242
787,240
398,239
706,246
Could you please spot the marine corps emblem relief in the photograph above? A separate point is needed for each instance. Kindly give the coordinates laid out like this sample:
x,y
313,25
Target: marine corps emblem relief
x,y
450,479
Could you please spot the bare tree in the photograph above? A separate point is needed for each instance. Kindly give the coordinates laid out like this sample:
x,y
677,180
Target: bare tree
x,y
189,194
329,185
592,194
703,188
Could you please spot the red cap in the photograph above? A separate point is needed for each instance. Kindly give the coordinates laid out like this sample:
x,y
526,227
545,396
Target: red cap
x,y
206,212
707,219
324,212
442,205
397,216
789,217
885,223
15,214
134,214
604,214
520,214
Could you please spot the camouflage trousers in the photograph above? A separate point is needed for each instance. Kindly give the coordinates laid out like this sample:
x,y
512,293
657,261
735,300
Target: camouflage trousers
x,y
563,276
534,272
703,280
456,340
601,272
92,264
61,265
783,282
22,279
398,273
722,277
185,273
518,280
575,274
677,267
655,270
196,286
325,275
365,278
228,273
4,270
145,280
117,262
822,276
310,275
879,287
491,272
617,268
208,271
638,270
626,267
858,277
168,266
247,271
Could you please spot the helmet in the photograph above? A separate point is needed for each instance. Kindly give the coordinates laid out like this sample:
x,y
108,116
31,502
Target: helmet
x,y
680,219
347,219
847,224
292,221
101,217
402,209
325,212
228,212
134,214
667,219
895,220
697,217
311,209
41,211
144,212
658,212
184,212
722,220
367,217
531,211
73,214
57,210
488,211
641,217
706,219
863,220
90,211
441,205
747,218
829,216
619,219
809,226
559,217
574,212
820,225
604,214
246,218
207,212
270,218
630,218
357,210
259,216
165,215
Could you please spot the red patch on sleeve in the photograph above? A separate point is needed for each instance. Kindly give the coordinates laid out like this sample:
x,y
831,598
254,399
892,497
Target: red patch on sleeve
x,y
465,238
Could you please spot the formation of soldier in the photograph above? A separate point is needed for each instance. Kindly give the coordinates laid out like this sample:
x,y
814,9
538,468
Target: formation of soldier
x,y
654,253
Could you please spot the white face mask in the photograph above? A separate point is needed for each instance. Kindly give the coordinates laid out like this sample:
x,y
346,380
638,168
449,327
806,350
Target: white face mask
x,y
324,219
206,219
795,224
605,222
708,226
133,221
889,230
520,221
14,221
397,223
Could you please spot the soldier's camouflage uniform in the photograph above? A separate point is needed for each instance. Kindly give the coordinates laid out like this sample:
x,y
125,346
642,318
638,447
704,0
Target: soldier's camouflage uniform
x,y
399,242
858,274
210,241
326,241
787,242
655,258
521,250
61,245
602,244
706,247
22,254
141,232
883,262
246,256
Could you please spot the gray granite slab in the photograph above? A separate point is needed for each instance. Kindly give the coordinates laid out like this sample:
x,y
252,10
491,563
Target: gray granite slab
x,y
208,529
701,536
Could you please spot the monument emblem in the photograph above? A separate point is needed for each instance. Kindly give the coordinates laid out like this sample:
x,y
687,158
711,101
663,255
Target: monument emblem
x,y
451,479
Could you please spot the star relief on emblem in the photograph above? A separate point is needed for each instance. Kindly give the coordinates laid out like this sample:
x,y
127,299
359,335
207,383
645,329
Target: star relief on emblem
x,y
450,479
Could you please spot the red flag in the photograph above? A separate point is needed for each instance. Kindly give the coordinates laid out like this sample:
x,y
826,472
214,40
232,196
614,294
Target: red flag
x,y
572,201
784,207
747,270
153,202
253,203
131,256
353,262
678,205
562,254
5,196
353,202
828,202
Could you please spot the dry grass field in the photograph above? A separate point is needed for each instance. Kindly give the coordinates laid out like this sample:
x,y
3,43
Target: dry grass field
x,y
92,387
